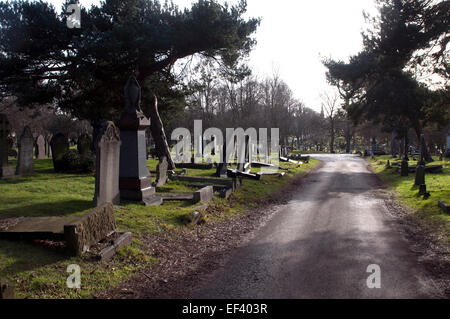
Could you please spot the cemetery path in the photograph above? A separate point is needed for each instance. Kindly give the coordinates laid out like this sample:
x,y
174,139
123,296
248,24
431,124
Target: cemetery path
x,y
321,243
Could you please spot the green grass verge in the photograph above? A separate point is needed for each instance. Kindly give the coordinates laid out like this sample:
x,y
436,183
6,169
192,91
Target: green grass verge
x,y
425,211
41,272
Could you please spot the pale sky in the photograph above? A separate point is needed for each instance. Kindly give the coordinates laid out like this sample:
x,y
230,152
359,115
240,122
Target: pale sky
x,y
294,34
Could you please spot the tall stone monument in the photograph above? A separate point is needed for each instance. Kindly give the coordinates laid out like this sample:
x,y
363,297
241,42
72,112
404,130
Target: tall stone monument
x,y
107,165
135,183
26,146
5,170
40,147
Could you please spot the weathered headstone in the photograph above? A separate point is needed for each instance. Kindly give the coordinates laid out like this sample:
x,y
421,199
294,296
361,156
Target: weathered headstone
x,y
48,149
40,147
134,181
404,169
59,146
84,145
107,165
447,153
26,146
161,172
5,170
222,168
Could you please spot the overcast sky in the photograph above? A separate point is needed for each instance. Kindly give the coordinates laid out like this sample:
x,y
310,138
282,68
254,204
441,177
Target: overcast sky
x,y
294,34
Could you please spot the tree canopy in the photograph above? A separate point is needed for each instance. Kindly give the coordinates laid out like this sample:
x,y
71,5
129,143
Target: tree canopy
x,y
83,71
409,38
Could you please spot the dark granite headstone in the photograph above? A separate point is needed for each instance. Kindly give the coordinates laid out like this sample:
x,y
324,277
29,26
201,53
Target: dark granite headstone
x,y
40,147
26,146
107,165
84,145
59,146
5,170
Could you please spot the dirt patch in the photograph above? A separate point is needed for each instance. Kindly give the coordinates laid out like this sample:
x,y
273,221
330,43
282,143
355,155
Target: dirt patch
x,y
187,257
424,241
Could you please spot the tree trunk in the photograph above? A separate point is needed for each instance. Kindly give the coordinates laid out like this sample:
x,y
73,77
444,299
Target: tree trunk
x,y
332,137
158,134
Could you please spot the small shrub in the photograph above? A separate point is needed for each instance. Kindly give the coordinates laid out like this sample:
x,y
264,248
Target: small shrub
x,y
72,162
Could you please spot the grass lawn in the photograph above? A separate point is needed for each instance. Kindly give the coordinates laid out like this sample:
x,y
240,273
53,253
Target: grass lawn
x,y
425,211
40,272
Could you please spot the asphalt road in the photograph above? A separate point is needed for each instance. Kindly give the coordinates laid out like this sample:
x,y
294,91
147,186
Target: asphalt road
x,y
321,243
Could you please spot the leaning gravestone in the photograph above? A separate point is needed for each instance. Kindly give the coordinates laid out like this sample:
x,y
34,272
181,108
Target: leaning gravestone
x,y
161,172
25,160
59,146
5,170
84,145
107,165
40,147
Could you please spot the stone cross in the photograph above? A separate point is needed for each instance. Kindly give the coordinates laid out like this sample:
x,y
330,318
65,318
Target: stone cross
x,y
107,165
25,160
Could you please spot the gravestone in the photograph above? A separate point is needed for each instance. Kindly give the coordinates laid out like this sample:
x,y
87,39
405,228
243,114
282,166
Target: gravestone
x,y
5,170
135,183
84,145
48,149
447,153
420,170
40,147
59,146
25,160
222,168
161,172
107,165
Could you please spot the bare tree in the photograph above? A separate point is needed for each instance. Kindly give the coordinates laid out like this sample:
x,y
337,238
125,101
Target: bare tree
x,y
331,106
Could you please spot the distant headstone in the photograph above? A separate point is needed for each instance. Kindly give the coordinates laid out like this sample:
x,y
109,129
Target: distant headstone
x,y
447,153
48,149
161,172
404,169
107,165
84,145
40,147
26,146
59,146
5,170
